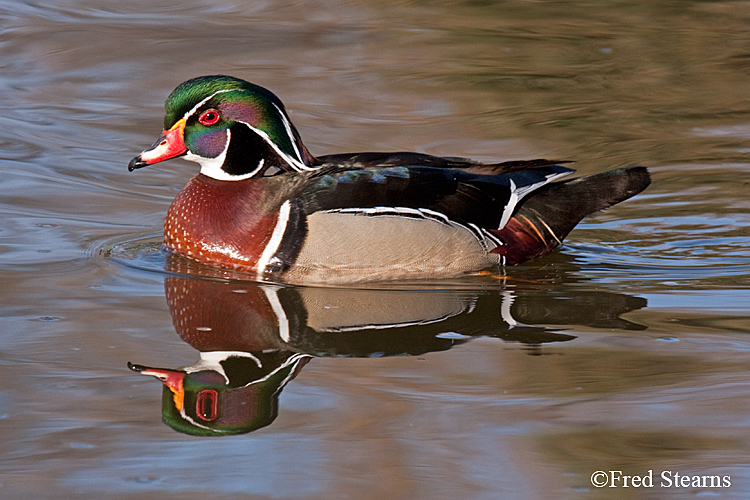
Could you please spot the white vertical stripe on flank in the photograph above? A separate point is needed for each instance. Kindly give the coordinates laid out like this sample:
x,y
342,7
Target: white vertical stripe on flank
x,y
276,236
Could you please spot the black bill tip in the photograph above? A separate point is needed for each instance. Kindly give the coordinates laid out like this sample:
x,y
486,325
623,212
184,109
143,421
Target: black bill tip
x,y
136,368
136,162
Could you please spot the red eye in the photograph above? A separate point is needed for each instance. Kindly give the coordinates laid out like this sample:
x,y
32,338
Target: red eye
x,y
209,117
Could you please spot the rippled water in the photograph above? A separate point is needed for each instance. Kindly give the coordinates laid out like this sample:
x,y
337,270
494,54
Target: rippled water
x,y
626,350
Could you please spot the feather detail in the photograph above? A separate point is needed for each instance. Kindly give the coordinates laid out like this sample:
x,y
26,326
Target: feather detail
x,y
545,218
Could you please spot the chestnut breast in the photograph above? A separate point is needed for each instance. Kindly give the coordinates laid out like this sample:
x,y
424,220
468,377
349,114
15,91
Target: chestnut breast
x,y
221,222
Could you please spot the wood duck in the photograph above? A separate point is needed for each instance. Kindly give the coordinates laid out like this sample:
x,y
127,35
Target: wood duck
x,y
262,203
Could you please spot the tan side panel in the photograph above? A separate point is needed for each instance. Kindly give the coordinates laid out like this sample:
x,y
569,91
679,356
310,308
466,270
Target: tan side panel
x,y
351,247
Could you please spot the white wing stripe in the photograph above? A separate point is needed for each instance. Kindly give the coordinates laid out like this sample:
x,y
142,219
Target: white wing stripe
x,y
517,194
510,206
484,237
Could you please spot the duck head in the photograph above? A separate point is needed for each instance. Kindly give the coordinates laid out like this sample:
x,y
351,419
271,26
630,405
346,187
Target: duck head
x,y
234,129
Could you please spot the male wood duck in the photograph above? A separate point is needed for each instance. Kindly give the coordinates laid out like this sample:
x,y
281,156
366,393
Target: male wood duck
x,y
262,203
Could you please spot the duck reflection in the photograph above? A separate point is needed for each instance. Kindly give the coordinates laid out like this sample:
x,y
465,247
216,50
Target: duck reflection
x,y
225,392
254,338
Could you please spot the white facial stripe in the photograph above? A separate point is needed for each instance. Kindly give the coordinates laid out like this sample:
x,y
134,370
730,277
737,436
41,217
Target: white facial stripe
x,y
195,108
293,162
212,166
186,417
292,140
211,360
276,236
289,133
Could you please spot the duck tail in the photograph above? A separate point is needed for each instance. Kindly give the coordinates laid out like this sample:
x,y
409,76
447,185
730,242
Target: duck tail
x,y
546,217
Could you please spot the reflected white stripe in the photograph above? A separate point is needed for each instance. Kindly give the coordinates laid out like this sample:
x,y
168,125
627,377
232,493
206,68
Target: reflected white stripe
x,y
278,309
508,299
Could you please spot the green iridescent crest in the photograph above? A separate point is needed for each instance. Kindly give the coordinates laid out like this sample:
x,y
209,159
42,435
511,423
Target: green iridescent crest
x,y
190,93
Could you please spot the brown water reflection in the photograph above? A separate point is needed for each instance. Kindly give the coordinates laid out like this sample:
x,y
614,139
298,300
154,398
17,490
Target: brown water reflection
x,y
663,84
254,338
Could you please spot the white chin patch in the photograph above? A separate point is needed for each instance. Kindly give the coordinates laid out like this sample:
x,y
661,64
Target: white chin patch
x,y
212,167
